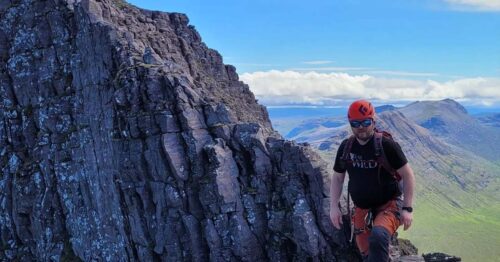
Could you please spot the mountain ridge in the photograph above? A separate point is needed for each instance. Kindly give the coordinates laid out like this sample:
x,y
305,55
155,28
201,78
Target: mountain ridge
x,y
129,140
449,120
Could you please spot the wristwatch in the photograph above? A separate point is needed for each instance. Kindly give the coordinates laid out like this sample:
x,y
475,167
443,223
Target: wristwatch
x,y
409,209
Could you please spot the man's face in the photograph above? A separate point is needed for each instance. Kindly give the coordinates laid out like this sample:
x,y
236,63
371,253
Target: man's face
x,y
363,129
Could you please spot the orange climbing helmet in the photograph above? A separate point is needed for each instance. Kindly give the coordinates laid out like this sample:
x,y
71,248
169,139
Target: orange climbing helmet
x,y
360,109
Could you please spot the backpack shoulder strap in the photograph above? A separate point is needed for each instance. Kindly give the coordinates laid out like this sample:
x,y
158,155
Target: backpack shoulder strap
x,y
381,156
379,150
347,148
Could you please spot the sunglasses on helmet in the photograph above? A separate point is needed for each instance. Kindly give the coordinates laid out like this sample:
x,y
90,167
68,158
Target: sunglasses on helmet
x,y
365,123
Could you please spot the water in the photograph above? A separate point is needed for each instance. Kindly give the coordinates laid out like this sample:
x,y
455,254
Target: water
x,y
475,111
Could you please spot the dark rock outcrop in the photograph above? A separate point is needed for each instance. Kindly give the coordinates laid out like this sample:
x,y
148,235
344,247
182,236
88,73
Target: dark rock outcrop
x,y
124,138
440,257
406,247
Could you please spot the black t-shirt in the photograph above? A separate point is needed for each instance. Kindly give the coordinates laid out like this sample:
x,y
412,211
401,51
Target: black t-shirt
x,y
369,187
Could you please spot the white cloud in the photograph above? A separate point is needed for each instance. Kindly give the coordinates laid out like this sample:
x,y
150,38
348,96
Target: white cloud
x,y
480,5
313,88
318,62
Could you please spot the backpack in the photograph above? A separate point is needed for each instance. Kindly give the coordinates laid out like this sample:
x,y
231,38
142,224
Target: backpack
x,y
380,156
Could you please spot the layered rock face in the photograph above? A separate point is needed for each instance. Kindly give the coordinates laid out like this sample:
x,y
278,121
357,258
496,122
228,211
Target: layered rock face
x,y
124,138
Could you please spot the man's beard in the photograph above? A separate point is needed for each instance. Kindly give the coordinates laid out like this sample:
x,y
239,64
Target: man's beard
x,y
365,135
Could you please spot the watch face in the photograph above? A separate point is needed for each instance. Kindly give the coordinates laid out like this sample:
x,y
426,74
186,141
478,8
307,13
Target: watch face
x,y
409,209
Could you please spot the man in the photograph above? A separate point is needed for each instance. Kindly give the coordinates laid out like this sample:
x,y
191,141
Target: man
x,y
375,190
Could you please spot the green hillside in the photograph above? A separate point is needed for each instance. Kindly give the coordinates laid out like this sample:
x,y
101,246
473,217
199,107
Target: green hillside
x,y
458,221
472,233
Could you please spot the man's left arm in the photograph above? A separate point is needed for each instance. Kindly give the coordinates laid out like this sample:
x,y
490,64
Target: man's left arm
x,y
408,188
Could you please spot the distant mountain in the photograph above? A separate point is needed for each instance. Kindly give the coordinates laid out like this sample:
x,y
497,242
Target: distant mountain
x,y
285,119
437,116
435,159
315,124
449,121
380,109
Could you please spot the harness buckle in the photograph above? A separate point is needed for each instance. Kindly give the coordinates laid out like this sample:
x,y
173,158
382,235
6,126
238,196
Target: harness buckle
x,y
369,219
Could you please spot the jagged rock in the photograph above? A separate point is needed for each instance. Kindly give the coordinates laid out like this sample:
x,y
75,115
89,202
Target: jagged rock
x,y
124,138
440,257
406,247
411,258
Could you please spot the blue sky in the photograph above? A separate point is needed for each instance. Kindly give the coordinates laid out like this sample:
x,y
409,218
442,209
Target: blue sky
x,y
422,42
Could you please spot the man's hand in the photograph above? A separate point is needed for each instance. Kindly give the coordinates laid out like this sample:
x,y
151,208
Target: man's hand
x,y
336,216
335,192
406,219
408,189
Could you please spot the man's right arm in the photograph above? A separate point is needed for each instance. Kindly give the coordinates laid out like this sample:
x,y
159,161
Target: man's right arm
x,y
336,185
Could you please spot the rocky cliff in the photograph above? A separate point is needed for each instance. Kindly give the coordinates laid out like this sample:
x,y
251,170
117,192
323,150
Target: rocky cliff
x,y
124,138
